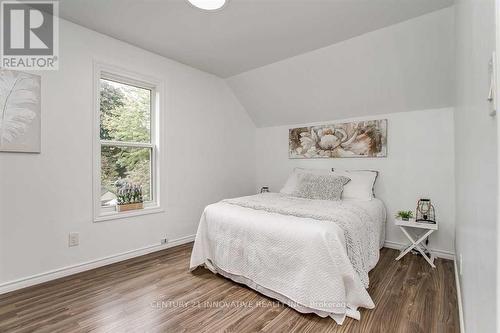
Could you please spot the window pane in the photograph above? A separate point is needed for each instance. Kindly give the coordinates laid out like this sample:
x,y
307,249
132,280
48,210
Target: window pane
x,y
121,165
125,112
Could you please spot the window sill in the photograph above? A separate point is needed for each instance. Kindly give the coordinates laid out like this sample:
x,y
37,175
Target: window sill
x,y
121,215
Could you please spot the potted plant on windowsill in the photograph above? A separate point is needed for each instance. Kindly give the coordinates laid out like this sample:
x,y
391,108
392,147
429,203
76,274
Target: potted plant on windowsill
x,y
404,215
129,197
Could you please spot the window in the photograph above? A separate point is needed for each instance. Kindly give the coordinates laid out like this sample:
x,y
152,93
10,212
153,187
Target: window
x,y
126,142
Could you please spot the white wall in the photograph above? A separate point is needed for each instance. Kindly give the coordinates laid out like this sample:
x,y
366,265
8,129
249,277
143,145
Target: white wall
x,y
208,149
420,163
403,67
476,165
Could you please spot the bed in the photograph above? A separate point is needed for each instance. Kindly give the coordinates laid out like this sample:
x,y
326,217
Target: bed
x,y
312,255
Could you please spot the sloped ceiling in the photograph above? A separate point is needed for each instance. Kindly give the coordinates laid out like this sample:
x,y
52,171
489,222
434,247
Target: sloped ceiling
x,y
246,34
404,67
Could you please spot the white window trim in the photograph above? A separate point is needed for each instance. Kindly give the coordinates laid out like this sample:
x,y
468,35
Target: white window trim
x,y
156,86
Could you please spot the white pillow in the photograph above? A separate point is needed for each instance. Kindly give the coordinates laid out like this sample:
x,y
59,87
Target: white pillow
x,y
292,181
361,185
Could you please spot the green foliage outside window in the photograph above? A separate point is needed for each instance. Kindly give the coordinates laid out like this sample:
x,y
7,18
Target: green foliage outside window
x,y
125,117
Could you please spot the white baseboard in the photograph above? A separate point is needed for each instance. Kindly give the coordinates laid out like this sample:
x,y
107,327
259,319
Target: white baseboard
x,y
459,298
85,266
438,253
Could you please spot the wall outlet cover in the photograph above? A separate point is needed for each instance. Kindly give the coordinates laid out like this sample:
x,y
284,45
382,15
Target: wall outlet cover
x,y
74,239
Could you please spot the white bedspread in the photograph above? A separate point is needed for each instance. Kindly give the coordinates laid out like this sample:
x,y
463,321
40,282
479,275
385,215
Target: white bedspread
x,y
313,255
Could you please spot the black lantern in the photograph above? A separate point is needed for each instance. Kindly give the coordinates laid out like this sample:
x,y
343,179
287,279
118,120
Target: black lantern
x,y
425,211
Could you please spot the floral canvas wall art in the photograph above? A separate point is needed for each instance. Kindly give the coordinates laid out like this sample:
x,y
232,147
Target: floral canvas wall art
x,y
354,139
20,112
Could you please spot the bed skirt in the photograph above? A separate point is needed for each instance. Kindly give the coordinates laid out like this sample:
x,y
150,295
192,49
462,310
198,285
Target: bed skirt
x,y
339,318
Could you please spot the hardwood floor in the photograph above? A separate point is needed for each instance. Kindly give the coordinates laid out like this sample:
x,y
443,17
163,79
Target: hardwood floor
x,y
157,293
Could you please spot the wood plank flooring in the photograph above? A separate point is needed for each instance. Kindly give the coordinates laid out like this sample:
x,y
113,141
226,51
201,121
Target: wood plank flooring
x,y
157,293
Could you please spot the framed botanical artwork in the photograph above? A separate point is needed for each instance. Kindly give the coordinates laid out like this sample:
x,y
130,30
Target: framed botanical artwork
x,y
354,139
20,112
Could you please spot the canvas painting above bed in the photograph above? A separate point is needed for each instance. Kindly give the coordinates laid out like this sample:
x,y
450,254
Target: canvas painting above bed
x,y
355,139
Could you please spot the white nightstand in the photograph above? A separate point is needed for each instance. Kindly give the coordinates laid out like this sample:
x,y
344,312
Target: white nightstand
x,y
426,229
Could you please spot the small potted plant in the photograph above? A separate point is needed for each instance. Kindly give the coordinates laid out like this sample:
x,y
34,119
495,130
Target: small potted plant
x,y
129,197
404,215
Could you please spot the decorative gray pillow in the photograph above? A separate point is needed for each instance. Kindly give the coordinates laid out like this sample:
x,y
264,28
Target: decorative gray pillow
x,y
321,187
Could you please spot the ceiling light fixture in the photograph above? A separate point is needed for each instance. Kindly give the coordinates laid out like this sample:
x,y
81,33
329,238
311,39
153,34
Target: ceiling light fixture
x,y
208,4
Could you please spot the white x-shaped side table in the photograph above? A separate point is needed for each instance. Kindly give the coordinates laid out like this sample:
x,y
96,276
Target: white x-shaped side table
x,y
417,242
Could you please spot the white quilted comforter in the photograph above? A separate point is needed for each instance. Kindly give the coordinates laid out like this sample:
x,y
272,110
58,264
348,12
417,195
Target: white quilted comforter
x,y
313,255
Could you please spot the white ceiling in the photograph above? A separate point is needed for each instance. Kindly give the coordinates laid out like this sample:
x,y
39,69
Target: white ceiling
x,y
404,67
246,34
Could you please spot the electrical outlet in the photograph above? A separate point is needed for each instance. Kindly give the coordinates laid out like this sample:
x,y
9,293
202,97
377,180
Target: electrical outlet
x,y
460,269
164,241
73,239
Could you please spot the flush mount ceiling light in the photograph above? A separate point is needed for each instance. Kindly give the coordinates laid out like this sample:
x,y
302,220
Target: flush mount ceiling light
x,y
208,4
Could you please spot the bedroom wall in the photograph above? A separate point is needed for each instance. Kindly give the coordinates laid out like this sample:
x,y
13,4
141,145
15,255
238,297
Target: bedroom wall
x,y
476,166
208,150
420,163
